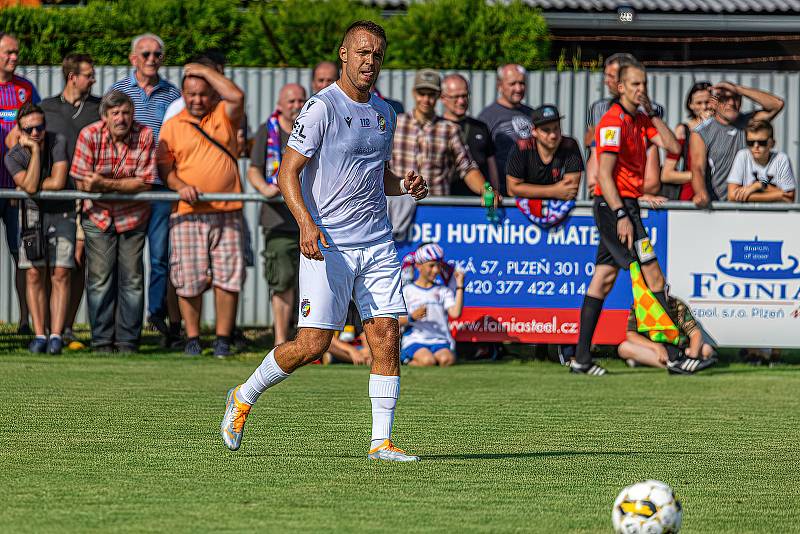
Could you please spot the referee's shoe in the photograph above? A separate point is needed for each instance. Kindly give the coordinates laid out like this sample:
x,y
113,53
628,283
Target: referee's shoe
x,y
586,369
689,366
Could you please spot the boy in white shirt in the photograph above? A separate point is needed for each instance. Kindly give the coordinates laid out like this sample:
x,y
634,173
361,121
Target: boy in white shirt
x,y
427,340
758,173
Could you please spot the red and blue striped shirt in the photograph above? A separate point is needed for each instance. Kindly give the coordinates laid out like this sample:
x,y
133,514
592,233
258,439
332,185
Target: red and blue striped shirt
x,y
13,94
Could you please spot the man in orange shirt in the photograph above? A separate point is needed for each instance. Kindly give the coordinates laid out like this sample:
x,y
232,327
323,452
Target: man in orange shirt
x,y
196,155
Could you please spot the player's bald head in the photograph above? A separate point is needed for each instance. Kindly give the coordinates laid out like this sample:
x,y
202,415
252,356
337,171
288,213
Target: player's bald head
x,y
363,26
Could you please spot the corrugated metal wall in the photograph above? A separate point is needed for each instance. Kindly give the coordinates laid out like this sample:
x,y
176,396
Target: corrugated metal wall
x,y
572,92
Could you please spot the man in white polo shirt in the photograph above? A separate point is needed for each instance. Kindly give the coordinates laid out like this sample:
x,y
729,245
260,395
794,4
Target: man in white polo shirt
x,y
341,143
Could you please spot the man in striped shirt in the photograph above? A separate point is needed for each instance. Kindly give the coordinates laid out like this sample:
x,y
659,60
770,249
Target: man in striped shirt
x,y
151,97
14,91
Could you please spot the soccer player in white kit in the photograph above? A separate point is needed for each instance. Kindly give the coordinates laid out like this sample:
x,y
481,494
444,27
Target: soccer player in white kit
x,y
341,143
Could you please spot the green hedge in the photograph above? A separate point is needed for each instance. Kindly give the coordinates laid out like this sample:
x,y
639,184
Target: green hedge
x,y
462,34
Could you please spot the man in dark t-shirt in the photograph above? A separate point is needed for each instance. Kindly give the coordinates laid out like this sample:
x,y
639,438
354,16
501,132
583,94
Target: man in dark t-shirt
x,y
75,107
549,164
508,119
474,133
39,162
67,114
281,233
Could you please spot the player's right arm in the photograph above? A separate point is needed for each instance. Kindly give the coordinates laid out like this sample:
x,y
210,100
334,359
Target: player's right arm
x,y
307,135
605,177
608,142
289,182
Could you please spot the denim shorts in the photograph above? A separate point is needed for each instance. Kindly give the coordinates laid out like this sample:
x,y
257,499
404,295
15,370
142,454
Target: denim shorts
x,y
407,353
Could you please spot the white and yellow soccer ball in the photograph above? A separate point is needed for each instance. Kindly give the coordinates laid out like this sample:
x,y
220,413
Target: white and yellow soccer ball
x,y
648,507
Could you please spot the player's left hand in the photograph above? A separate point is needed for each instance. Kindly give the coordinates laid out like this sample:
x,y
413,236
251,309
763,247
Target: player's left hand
x,y
458,276
415,185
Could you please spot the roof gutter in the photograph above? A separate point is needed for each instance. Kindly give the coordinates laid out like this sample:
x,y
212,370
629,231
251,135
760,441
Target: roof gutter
x,y
662,21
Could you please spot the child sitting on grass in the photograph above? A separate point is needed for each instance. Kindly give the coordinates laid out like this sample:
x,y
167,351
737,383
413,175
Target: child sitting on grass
x,y
427,340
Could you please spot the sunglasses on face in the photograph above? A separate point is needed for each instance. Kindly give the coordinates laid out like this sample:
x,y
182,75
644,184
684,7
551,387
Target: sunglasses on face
x,y
157,54
30,129
758,142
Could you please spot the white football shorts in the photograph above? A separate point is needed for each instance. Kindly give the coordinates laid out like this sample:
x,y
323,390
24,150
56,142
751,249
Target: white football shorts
x,y
370,276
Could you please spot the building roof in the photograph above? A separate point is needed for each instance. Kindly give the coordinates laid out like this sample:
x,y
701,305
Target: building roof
x,y
693,6
776,7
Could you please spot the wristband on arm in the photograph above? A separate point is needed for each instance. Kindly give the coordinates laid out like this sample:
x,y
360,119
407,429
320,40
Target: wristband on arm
x,y
620,213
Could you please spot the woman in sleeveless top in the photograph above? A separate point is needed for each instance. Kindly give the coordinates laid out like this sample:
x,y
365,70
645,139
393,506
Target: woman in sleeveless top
x,y
675,175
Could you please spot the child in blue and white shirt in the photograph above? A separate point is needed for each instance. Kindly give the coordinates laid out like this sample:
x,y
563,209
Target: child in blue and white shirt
x,y
427,340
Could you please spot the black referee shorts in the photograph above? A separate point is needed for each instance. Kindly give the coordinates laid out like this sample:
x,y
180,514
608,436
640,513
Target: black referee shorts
x,y
611,251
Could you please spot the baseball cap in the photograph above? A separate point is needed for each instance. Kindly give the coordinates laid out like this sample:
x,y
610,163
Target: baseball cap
x,y
428,79
544,114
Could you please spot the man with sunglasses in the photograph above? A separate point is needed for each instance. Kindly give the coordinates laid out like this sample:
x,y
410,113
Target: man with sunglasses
x,y
38,162
714,143
760,174
151,97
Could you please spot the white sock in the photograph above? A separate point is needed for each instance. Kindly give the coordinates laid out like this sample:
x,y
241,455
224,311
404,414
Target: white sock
x,y
41,337
55,336
383,392
264,377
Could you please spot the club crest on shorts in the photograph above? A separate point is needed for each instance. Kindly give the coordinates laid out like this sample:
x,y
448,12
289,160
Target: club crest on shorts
x,y
381,123
305,307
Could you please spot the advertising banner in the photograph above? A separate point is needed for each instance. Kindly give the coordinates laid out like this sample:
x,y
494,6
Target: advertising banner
x,y
740,274
524,283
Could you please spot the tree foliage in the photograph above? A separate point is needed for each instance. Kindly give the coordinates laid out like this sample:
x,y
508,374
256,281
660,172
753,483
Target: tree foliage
x,y
468,34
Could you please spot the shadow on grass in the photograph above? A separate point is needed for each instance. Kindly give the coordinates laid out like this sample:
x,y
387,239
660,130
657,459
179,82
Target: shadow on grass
x,y
480,456
515,455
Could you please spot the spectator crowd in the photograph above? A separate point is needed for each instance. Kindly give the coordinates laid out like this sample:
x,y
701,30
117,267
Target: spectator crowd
x,y
145,134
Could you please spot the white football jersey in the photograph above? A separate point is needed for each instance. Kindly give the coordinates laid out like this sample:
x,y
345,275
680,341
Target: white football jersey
x,y
348,144
433,328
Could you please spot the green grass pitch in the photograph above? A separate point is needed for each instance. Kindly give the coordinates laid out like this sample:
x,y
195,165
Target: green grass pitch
x,y
99,444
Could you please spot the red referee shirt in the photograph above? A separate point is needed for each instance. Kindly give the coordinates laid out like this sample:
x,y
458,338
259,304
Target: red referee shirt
x,y
627,136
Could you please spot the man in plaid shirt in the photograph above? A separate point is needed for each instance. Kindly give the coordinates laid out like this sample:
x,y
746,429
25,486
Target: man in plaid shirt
x,y
431,145
115,155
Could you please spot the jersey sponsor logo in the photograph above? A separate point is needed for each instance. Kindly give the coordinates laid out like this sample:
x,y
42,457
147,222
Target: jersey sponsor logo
x,y
348,120
8,115
364,150
310,103
381,123
609,136
305,307
297,131
22,95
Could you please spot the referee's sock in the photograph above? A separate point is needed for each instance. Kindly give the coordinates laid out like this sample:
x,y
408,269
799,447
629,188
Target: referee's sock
x,y
590,314
264,377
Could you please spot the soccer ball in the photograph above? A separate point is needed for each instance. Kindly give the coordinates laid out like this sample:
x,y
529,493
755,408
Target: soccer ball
x,y
648,507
